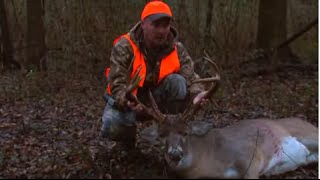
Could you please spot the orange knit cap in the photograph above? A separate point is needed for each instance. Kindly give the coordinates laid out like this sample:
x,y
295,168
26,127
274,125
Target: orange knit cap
x,y
157,9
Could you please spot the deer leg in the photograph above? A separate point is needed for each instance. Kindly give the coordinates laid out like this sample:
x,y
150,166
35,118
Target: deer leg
x,y
312,146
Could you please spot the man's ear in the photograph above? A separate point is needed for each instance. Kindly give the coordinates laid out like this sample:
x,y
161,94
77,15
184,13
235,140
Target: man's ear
x,y
143,24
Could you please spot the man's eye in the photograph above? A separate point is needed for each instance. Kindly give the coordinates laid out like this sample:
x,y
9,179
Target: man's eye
x,y
156,25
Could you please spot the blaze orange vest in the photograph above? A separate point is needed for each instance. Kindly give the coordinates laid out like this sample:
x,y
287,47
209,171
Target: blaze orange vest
x,y
169,64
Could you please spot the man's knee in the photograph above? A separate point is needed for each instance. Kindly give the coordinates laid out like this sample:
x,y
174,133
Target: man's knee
x,y
176,86
118,125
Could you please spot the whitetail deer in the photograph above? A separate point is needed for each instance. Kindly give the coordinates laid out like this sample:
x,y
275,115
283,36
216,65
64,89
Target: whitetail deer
x,y
247,149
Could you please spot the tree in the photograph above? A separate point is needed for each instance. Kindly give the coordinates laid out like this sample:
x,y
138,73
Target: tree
x,y
208,20
6,48
272,26
36,51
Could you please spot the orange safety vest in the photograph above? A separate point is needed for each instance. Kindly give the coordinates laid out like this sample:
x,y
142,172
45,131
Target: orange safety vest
x,y
169,64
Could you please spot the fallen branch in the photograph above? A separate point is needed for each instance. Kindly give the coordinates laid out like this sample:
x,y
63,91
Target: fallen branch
x,y
277,68
262,54
8,125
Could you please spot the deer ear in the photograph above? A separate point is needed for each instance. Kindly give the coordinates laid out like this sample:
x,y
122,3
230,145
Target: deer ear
x,y
150,134
200,128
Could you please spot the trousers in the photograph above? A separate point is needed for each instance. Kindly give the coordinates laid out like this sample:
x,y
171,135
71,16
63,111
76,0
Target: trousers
x,y
120,125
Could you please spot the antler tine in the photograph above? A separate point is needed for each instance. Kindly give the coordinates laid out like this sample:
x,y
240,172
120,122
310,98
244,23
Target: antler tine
x,y
214,80
192,108
155,113
155,108
149,111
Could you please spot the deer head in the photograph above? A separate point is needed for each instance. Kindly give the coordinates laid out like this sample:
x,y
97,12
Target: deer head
x,y
173,128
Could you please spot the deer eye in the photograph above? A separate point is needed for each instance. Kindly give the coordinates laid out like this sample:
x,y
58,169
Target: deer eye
x,y
183,133
163,132
181,140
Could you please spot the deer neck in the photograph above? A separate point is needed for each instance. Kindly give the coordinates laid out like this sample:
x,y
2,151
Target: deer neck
x,y
197,160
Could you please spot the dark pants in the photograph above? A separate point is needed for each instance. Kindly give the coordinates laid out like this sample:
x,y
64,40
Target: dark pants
x,y
120,125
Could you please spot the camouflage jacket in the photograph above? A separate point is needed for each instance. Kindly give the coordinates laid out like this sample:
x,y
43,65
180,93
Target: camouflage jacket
x,y
122,55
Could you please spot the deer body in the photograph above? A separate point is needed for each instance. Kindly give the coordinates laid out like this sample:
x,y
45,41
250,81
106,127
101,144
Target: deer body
x,y
249,149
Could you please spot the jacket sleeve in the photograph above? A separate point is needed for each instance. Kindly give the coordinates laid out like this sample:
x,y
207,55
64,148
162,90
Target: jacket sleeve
x,y
187,70
121,56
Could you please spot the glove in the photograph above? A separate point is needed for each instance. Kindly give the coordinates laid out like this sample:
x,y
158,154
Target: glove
x,y
122,100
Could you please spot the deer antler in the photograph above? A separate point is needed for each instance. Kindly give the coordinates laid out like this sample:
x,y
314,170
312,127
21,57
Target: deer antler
x,y
154,111
192,108
155,108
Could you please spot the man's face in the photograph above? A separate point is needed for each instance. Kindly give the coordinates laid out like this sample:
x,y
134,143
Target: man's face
x,y
156,32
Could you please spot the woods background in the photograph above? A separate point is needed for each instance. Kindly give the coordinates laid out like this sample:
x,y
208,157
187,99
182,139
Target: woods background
x,y
76,35
53,55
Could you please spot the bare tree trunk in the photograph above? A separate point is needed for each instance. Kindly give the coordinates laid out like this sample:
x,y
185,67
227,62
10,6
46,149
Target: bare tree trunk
x,y
272,26
183,21
198,46
5,41
207,34
36,52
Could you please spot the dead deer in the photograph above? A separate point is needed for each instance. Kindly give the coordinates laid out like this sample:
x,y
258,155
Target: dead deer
x,y
248,149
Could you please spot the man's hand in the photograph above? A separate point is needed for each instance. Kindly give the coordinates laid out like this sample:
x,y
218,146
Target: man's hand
x,y
199,97
135,107
124,102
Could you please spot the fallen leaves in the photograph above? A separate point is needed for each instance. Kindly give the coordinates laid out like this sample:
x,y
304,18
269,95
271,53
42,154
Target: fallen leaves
x,y
58,136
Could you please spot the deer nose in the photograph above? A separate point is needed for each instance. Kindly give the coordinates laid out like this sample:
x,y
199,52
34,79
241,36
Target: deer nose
x,y
175,153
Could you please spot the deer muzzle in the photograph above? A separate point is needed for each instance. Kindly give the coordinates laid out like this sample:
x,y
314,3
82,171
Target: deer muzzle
x,y
175,153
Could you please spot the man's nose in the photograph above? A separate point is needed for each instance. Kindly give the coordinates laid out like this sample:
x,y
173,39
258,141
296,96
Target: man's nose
x,y
163,30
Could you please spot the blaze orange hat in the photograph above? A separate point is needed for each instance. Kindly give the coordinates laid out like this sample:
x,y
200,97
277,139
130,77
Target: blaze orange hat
x,y
156,9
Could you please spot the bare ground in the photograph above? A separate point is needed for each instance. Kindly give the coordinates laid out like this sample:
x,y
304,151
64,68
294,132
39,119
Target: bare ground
x,y
49,123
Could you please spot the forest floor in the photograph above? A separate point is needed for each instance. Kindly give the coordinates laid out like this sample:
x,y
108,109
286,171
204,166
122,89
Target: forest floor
x,y
50,123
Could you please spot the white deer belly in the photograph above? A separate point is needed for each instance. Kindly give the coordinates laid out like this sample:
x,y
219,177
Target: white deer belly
x,y
289,155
